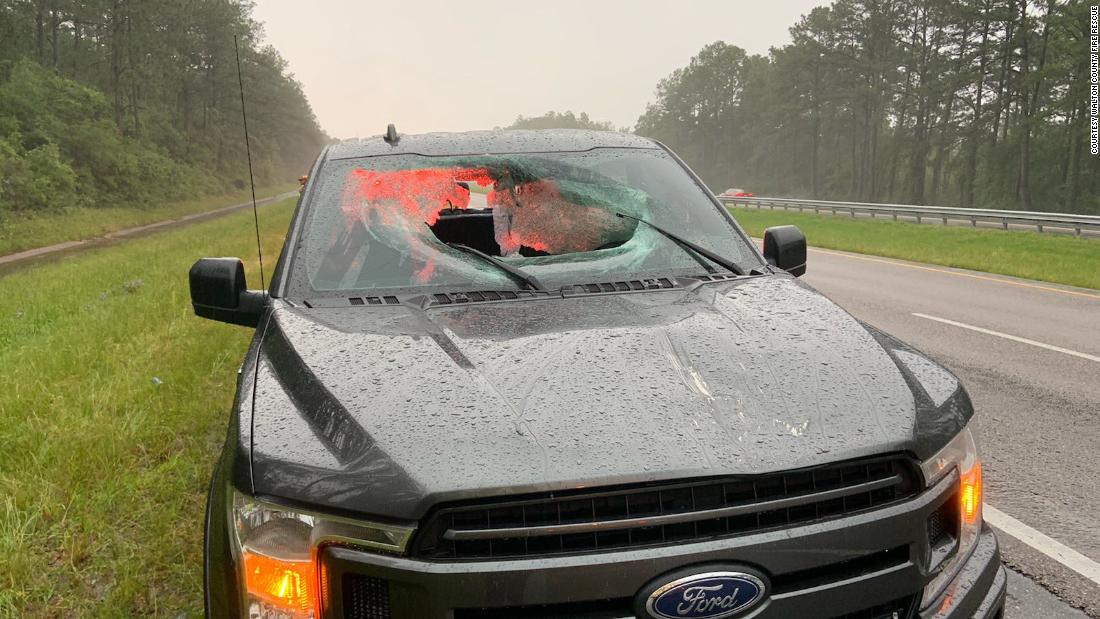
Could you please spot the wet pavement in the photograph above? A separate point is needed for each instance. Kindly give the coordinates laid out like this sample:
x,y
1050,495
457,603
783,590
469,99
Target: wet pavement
x,y
1027,600
1029,354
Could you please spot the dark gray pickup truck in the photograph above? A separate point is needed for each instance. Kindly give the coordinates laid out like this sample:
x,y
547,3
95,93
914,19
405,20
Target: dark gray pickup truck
x,y
545,374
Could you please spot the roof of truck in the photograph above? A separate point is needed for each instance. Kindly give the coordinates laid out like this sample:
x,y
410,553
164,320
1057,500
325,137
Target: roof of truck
x,y
483,142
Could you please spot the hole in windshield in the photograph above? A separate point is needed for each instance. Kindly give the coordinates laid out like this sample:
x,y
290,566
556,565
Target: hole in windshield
x,y
410,221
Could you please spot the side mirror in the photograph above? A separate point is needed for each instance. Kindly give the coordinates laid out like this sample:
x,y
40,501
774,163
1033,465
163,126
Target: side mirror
x,y
218,292
785,247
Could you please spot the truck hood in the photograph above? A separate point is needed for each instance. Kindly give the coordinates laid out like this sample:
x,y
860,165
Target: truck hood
x,y
387,410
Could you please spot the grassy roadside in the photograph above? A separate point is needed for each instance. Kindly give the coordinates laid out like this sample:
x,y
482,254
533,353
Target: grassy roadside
x,y
113,402
1044,257
25,231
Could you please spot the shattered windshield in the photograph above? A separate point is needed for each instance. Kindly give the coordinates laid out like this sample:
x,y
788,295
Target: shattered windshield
x,y
408,221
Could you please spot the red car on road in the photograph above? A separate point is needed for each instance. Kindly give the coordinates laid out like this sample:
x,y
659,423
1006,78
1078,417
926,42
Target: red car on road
x,y
734,192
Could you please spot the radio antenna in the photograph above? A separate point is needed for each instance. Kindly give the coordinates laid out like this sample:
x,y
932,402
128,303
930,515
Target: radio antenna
x,y
251,180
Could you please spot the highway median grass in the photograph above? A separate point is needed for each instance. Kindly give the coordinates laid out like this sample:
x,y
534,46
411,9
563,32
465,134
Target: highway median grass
x,y
1031,255
114,400
21,231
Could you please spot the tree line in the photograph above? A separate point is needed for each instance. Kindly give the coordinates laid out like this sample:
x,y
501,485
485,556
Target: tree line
x,y
561,120
106,102
974,103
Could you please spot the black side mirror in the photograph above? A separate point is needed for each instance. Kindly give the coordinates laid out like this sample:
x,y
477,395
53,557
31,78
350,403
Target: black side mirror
x,y
785,247
219,292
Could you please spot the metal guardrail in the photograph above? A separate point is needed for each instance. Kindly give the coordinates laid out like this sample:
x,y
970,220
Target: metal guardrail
x,y
1038,219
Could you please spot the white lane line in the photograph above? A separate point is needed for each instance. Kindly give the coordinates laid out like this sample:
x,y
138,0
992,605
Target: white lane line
x,y
1014,338
1007,524
1050,547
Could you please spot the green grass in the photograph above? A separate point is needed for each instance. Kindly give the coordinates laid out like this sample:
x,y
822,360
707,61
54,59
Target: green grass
x,y
114,401
25,231
1045,257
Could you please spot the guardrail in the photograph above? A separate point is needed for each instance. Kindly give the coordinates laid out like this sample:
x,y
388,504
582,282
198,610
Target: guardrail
x,y
1039,220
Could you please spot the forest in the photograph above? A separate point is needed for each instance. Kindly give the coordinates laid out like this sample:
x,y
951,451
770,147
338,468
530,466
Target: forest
x,y
977,103
561,120
973,103
118,102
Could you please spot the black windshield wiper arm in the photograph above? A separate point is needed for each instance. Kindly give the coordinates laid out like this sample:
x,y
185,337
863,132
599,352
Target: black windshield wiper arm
x,y
691,248
515,273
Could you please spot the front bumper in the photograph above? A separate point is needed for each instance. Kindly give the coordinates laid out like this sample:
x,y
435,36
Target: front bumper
x,y
979,589
867,565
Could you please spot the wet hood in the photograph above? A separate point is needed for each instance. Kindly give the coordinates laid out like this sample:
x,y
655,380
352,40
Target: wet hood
x,y
388,410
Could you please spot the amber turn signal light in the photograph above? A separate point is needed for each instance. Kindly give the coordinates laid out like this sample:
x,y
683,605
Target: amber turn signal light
x,y
971,494
287,585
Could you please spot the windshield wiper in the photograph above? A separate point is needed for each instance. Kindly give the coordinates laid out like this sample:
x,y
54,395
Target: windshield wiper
x,y
691,248
515,273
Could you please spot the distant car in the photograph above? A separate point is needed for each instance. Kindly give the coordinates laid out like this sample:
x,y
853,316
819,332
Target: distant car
x,y
734,192
578,390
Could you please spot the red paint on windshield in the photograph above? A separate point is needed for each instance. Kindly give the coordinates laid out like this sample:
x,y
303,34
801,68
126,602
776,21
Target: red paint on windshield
x,y
417,195
541,218
534,215
408,198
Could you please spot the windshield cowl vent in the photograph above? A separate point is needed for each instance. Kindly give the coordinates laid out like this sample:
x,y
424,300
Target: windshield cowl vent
x,y
489,296
374,300
653,283
717,277
481,296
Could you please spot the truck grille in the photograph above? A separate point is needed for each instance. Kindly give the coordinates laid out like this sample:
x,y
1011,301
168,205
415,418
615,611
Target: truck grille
x,y
367,597
627,517
616,609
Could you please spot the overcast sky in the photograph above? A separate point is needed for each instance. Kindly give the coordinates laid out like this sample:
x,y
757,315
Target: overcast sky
x,y
454,66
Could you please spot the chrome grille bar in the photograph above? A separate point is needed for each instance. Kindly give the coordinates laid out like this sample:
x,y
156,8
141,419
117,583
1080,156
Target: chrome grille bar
x,y
600,519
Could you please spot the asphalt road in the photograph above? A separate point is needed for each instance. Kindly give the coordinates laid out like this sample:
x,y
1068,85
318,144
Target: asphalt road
x,y
1029,355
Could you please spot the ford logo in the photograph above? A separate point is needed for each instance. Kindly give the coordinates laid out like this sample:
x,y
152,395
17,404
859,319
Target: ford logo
x,y
710,595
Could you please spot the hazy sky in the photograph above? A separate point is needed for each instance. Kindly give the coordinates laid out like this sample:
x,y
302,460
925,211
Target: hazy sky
x,y
453,66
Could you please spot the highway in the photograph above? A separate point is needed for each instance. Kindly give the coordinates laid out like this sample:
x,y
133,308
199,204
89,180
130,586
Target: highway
x,y
1029,355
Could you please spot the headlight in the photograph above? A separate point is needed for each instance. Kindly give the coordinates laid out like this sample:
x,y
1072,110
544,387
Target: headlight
x,y
961,455
276,551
